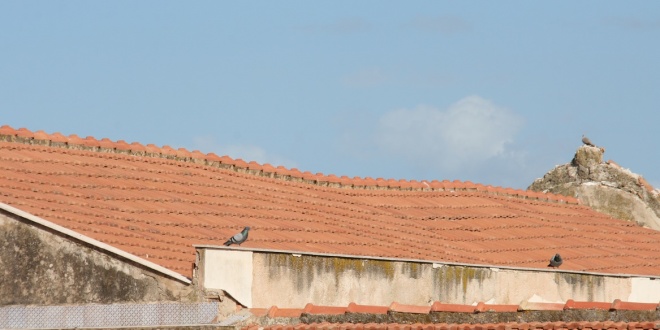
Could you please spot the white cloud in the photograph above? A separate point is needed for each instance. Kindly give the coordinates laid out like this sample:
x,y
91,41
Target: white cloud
x,y
468,133
245,152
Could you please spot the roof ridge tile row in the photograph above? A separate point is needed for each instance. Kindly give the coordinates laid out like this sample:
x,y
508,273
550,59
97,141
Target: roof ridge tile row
x,y
557,325
25,136
437,306
445,316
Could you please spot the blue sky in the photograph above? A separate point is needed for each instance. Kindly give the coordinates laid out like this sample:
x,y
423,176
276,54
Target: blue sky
x,y
495,92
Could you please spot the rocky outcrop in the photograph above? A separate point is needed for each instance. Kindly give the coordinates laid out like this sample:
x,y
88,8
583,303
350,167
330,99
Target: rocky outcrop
x,y
605,187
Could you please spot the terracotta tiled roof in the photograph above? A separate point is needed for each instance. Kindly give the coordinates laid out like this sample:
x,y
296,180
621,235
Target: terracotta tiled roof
x,y
156,202
571,315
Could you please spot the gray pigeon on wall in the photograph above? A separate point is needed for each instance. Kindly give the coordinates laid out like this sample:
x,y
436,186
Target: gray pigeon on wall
x,y
556,261
586,141
238,238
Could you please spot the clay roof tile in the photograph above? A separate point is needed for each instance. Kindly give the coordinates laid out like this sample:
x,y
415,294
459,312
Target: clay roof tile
x,y
213,157
345,180
41,135
636,306
380,182
74,139
324,310
90,141
196,154
227,160
122,145
24,133
106,143
333,178
240,163
137,147
268,168
413,309
469,185
7,130
366,309
152,148
307,175
253,165
572,304
59,138
405,184
281,170
435,184
393,183
454,308
183,153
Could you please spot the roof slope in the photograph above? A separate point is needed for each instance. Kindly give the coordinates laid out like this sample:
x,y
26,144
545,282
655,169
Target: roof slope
x,y
157,202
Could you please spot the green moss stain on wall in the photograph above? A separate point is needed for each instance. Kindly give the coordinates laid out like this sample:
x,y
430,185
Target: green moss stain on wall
x,y
580,282
412,269
304,268
449,278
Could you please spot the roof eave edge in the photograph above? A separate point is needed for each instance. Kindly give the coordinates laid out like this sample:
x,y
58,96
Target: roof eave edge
x,y
96,243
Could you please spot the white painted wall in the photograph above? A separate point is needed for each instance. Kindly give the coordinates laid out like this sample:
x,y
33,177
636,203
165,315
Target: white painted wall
x,y
230,271
644,290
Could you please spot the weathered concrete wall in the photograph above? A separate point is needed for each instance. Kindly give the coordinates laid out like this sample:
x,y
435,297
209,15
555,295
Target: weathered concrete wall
x,y
289,280
39,266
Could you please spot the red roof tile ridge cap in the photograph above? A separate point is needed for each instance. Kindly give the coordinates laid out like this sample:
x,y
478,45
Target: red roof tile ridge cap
x,y
24,133
483,307
324,310
7,130
640,306
59,138
318,179
453,308
572,304
530,194
41,135
274,312
183,153
366,309
541,306
412,309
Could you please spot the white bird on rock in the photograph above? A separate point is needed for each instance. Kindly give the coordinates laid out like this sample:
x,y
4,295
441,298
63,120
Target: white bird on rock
x,y
238,238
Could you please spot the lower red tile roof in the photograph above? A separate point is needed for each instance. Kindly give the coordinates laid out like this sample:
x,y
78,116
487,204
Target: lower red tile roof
x,y
156,203
574,315
582,325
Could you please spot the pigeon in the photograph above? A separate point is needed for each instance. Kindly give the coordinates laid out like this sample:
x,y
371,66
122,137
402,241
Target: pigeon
x,y
555,261
586,141
238,238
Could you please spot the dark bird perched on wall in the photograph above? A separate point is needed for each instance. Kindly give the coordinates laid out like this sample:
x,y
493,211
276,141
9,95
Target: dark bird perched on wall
x,y
586,141
556,261
238,238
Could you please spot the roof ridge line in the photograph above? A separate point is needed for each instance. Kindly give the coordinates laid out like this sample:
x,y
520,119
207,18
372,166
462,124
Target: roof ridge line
x,y
73,141
477,307
452,316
